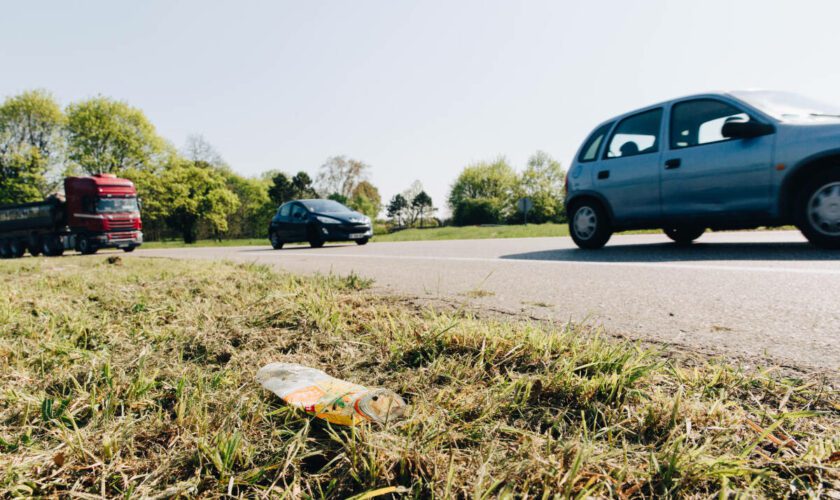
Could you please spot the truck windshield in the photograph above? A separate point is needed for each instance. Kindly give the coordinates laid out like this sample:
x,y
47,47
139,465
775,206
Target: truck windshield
x,y
116,205
789,106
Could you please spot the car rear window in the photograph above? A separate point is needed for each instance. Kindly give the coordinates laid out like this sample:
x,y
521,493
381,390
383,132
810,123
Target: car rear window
x,y
589,152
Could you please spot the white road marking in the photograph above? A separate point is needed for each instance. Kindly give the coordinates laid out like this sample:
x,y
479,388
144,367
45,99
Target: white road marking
x,y
652,265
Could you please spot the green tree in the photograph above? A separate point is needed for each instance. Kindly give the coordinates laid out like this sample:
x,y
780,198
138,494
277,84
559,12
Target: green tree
x,y
31,146
396,208
255,209
543,181
21,177
187,195
338,197
422,203
283,188
366,199
280,191
303,186
488,188
108,136
474,211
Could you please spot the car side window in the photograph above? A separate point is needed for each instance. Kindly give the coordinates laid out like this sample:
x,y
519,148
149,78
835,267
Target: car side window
x,y
285,210
636,135
700,121
589,152
298,212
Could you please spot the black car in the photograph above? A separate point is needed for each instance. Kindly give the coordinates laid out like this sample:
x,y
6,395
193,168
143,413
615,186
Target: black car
x,y
318,221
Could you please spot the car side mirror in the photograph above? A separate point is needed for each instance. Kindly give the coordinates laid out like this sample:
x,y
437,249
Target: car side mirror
x,y
737,129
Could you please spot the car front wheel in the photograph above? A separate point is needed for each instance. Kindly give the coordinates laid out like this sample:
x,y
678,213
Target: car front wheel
x,y
818,211
589,225
276,242
362,241
683,236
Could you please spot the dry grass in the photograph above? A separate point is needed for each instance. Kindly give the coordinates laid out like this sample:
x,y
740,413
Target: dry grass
x,y
137,380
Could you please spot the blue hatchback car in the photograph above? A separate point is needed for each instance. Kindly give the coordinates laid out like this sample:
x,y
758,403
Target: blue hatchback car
x,y
735,160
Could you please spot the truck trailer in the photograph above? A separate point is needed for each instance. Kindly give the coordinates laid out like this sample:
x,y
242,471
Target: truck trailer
x,y
101,211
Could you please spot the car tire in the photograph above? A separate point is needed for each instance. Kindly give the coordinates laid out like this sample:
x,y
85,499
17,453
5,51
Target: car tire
x,y
817,210
17,248
87,247
316,242
363,241
589,225
129,249
276,242
684,236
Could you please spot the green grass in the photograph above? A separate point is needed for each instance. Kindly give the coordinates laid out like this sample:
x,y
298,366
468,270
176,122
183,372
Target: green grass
x,y
438,233
134,377
477,232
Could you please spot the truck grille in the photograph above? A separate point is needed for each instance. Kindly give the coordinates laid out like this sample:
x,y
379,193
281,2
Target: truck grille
x,y
121,224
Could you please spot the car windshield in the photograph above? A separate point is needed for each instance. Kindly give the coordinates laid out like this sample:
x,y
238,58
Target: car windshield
x,y
116,205
788,106
325,206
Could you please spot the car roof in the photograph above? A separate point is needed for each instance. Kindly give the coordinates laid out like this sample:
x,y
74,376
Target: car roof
x,y
718,94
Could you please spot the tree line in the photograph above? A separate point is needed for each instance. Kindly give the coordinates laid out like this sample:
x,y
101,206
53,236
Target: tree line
x,y
487,192
190,193
193,193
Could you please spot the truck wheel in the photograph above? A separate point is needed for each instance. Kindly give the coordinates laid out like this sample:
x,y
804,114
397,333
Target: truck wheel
x,y
129,249
683,236
5,251
52,246
35,247
87,247
17,248
363,241
818,211
589,225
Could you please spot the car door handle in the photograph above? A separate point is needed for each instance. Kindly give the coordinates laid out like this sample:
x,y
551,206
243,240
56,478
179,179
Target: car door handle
x,y
604,174
673,163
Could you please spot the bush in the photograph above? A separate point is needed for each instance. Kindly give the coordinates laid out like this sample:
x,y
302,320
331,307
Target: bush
x,y
471,212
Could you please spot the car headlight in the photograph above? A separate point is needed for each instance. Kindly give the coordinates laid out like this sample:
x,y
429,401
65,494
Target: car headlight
x,y
327,220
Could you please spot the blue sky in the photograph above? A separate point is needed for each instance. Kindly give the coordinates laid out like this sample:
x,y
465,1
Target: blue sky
x,y
415,89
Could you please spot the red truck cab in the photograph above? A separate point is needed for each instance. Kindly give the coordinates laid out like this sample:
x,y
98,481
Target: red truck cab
x,y
103,212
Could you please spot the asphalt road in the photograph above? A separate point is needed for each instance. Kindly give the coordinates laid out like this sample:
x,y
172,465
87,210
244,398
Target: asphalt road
x,y
763,294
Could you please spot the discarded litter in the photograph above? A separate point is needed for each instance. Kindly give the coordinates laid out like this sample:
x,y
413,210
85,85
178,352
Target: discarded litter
x,y
334,400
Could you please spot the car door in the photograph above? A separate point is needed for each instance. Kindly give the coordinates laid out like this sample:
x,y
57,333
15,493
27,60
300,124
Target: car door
x,y
280,223
628,173
298,222
707,177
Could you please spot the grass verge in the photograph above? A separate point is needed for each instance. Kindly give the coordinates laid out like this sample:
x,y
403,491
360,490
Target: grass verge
x,y
437,233
134,377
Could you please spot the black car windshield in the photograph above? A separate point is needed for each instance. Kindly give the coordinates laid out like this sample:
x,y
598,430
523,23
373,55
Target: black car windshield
x,y
325,206
116,205
787,105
